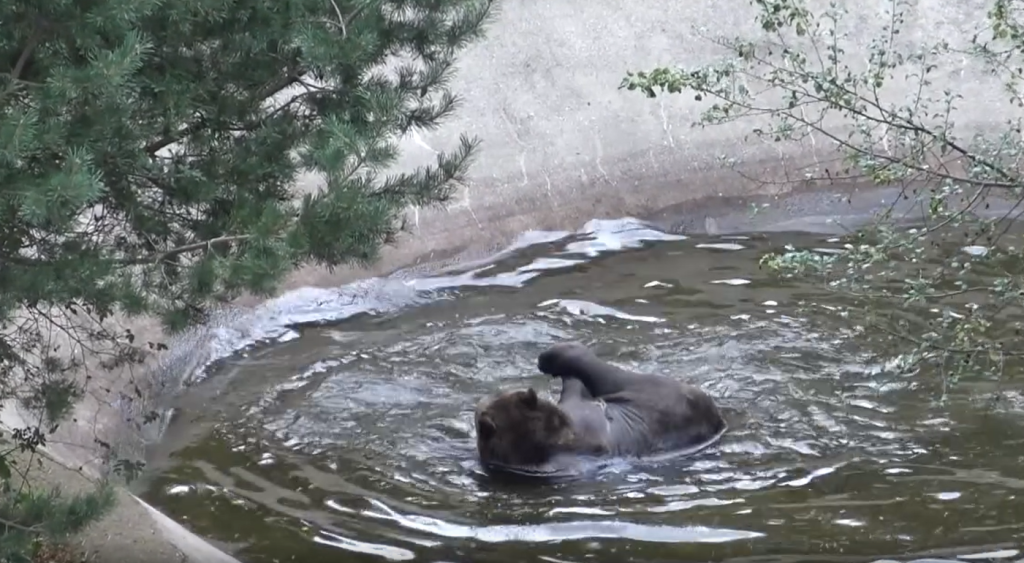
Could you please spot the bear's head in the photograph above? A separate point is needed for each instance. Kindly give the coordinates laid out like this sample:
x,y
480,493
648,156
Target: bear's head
x,y
519,431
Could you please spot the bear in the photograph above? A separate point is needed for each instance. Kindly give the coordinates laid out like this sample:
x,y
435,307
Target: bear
x,y
603,412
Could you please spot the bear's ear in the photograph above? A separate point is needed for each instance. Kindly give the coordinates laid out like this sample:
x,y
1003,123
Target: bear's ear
x,y
485,428
530,399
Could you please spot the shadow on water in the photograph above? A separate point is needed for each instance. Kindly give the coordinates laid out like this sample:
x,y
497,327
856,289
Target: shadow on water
x,y
354,441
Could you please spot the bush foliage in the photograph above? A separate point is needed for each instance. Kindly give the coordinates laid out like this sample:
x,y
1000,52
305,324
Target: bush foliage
x,y
948,288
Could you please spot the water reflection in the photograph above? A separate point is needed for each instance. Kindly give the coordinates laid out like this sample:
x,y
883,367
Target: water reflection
x,y
356,440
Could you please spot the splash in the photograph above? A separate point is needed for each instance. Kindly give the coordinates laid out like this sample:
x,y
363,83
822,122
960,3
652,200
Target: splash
x,y
234,330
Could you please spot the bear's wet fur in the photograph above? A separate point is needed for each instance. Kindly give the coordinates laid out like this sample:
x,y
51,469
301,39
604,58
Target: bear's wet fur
x,y
521,429
603,411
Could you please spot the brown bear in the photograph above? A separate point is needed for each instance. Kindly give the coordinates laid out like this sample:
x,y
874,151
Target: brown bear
x,y
604,411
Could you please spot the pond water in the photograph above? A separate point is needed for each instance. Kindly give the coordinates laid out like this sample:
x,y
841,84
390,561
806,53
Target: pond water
x,y
353,441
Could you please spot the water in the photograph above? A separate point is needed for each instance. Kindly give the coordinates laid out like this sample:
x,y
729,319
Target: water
x,y
354,441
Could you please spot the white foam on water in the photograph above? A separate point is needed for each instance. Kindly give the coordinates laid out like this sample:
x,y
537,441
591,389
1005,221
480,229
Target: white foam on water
x,y
588,309
732,281
389,552
975,250
806,480
1001,554
549,264
233,330
721,246
616,234
556,532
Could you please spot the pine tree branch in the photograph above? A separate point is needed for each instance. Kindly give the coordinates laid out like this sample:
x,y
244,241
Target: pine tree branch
x,y
157,146
198,125
138,260
341,19
19,65
30,529
160,256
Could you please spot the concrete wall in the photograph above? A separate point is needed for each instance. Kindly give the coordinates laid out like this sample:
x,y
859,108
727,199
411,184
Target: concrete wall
x,y
562,145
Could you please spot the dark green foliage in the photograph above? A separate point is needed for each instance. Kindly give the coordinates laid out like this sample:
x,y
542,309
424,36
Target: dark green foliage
x,y
139,133
29,518
149,152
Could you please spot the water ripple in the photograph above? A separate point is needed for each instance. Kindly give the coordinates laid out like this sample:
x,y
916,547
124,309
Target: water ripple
x,y
362,440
